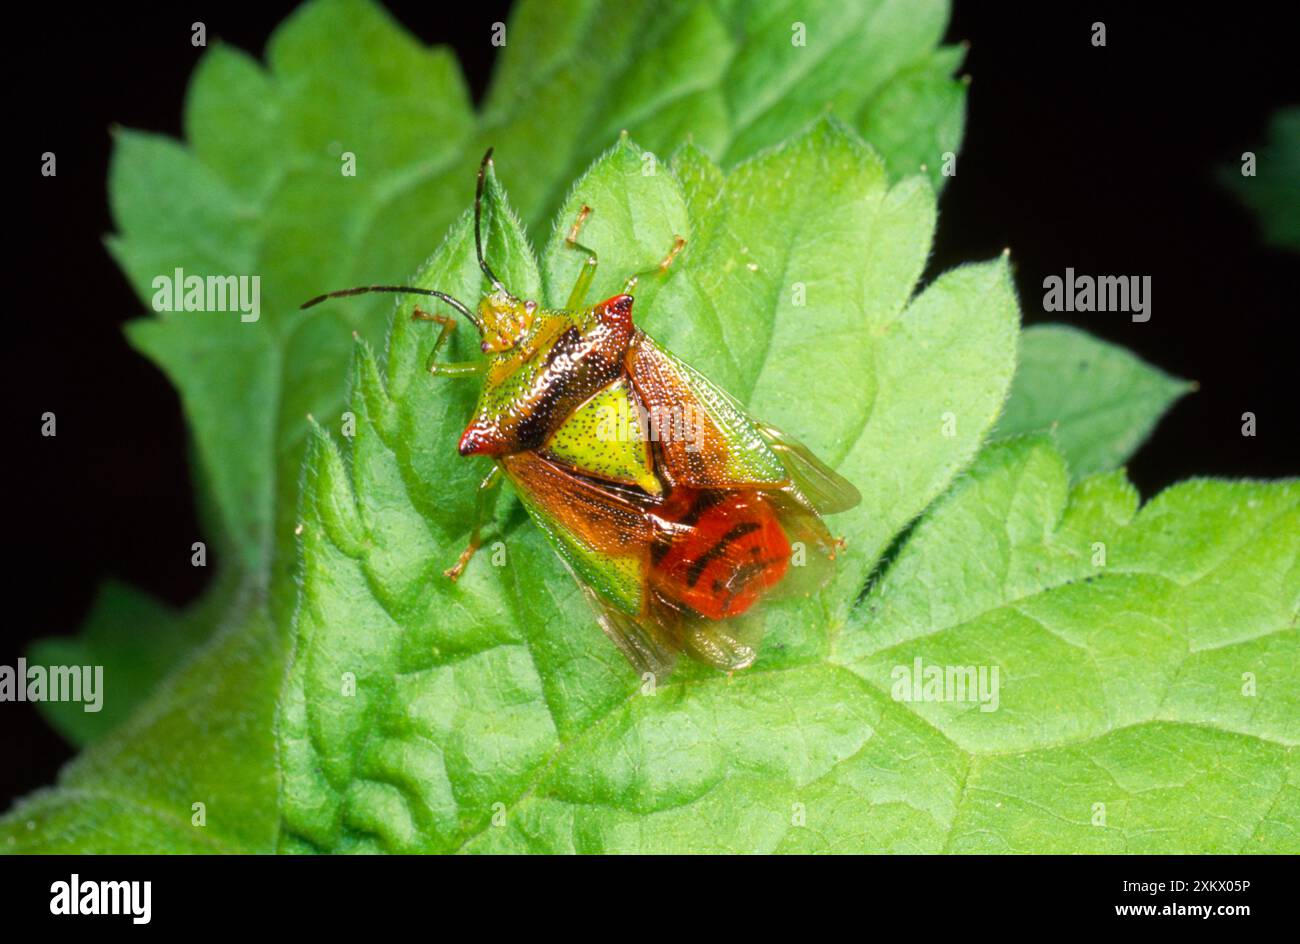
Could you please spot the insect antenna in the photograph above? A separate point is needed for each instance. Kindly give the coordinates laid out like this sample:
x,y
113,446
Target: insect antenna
x,y
478,250
401,290
478,217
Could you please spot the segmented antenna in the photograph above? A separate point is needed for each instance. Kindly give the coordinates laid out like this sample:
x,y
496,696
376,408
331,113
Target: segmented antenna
x,y
401,290
478,217
406,290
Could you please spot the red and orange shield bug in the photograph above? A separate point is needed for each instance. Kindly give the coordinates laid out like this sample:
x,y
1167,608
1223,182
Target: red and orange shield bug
x,y
676,525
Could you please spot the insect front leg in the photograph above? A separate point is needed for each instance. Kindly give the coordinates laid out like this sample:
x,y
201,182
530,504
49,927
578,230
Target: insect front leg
x,y
661,269
459,369
583,285
484,502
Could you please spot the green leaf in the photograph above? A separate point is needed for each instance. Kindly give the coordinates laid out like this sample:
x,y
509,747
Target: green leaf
x,y
1147,665
1100,400
917,119
259,188
137,641
1272,191
343,78
499,692
204,737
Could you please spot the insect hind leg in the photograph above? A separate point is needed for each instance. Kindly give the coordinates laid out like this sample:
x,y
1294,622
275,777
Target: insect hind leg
x,y
484,502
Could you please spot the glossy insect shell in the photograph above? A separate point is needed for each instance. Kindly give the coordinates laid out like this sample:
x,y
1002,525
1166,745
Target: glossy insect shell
x,y
673,539
542,365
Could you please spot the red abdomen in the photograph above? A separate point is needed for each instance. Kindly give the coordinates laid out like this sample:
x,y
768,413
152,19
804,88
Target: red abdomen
x,y
718,551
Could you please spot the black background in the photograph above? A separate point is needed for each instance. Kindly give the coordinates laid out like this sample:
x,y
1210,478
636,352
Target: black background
x,y
1098,158
337,896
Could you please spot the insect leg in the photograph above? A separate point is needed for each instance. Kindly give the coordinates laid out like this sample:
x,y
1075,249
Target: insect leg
x,y
661,269
581,287
461,369
484,501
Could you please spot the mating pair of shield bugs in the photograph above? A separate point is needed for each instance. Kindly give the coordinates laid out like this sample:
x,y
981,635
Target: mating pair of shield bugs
x,y
674,539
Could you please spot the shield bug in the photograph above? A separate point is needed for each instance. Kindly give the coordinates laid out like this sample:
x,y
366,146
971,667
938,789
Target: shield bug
x,y
675,510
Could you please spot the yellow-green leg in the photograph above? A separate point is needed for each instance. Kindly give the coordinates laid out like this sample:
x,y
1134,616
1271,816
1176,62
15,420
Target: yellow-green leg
x,y
588,272
661,269
457,369
484,502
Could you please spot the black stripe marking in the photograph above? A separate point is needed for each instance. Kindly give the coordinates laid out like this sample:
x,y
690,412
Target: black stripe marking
x,y
558,396
713,553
